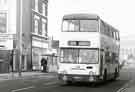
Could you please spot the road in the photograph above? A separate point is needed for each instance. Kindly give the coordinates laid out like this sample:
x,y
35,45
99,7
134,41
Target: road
x,y
51,84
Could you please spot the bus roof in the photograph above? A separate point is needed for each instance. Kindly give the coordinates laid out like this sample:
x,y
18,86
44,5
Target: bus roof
x,y
81,16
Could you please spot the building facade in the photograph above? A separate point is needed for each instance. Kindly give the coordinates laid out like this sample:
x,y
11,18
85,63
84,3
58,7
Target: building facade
x,y
26,31
5,36
39,32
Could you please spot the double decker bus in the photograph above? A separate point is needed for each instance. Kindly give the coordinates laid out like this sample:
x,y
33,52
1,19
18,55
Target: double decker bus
x,y
89,49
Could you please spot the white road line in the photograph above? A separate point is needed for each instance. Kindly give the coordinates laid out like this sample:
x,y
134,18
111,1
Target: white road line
x,y
121,89
50,83
124,87
16,90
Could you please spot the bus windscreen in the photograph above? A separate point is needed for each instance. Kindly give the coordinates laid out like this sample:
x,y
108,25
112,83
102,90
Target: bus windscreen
x,y
80,26
81,56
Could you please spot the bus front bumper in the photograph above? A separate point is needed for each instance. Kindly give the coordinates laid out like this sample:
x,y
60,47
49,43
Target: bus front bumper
x,y
80,78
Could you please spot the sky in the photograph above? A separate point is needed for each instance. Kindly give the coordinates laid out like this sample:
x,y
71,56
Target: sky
x,y
118,13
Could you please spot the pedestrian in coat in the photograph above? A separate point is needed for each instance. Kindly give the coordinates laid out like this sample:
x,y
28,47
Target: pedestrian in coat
x,y
44,64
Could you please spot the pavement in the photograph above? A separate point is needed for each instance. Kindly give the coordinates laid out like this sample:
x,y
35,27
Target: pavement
x,y
130,87
25,75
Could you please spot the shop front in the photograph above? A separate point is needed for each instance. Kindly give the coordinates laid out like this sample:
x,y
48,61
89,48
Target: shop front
x,y
52,63
39,47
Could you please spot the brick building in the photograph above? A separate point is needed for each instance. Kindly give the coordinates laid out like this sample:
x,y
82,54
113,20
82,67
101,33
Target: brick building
x,y
26,26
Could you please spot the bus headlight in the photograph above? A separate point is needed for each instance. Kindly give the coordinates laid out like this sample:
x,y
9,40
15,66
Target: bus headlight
x,y
91,73
64,78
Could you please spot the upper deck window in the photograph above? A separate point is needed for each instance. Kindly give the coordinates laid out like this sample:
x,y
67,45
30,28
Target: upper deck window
x,y
70,25
89,25
80,26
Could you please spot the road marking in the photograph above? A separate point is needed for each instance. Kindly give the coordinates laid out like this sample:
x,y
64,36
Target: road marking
x,y
16,90
124,86
121,89
50,83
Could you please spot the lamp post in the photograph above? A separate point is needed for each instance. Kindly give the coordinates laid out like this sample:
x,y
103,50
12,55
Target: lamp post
x,y
20,36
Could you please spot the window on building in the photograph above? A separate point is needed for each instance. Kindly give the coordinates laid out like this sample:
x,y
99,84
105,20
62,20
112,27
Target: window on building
x,y
44,29
36,5
36,21
36,26
3,22
44,9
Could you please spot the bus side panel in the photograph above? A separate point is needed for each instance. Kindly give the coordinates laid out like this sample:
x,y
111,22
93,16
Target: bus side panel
x,y
110,48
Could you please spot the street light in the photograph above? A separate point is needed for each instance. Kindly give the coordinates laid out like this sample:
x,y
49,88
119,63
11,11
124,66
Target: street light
x,y
20,45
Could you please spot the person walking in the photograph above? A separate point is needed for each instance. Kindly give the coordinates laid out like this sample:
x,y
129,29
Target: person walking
x,y
44,64
11,61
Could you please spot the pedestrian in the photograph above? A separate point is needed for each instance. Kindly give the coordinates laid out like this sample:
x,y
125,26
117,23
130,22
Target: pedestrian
x,y
11,61
44,64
